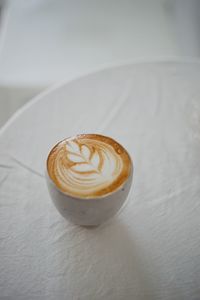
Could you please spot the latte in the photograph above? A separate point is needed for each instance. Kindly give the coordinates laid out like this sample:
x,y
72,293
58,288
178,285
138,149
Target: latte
x,y
88,166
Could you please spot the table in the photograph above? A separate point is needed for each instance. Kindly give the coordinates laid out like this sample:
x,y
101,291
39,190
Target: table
x,y
152,249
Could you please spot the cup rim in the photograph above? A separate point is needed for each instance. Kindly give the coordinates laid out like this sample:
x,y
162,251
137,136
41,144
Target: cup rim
x,y
88,198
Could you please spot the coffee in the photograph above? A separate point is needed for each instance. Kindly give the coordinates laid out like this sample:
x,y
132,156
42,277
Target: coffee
x,y
88,166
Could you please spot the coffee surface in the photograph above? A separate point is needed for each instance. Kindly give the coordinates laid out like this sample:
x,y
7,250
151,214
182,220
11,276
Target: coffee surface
x,y
88,165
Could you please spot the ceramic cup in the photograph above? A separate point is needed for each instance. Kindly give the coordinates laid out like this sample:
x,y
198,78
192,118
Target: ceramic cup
x,y
92,211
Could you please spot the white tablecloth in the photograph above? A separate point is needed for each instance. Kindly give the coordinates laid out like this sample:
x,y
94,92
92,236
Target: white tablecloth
x,y
152,249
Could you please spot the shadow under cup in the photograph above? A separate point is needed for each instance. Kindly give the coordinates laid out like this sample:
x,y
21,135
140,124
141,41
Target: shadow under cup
x,y
91,211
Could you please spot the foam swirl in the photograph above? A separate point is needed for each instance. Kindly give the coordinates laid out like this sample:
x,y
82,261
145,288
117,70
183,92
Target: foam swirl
x,y
88,165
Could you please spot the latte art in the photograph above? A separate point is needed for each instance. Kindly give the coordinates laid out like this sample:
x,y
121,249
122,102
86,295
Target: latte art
x,y
88,165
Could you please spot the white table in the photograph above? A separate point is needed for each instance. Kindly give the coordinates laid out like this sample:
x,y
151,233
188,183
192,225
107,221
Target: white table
x,y
152,249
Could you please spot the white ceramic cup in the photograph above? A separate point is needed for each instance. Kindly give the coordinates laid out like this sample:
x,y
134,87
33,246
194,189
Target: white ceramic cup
x,y
92,211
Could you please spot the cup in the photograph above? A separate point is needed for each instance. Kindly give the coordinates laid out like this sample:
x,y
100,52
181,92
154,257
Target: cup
x,y
93,211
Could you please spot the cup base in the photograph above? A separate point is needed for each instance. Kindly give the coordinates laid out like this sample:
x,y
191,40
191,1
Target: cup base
x,y
89,226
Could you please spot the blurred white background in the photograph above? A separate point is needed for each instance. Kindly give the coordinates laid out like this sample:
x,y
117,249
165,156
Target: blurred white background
x,y
45,41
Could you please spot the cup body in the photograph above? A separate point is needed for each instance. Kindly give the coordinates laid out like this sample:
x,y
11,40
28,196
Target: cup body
x,y
92,211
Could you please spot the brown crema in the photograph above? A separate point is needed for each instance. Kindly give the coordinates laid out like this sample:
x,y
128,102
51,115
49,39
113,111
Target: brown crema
x,y
88,166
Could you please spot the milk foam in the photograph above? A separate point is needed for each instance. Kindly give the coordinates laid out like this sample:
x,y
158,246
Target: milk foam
x,y
87,166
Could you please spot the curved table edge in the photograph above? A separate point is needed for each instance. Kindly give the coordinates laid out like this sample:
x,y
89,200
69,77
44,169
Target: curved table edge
x,y
34,100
